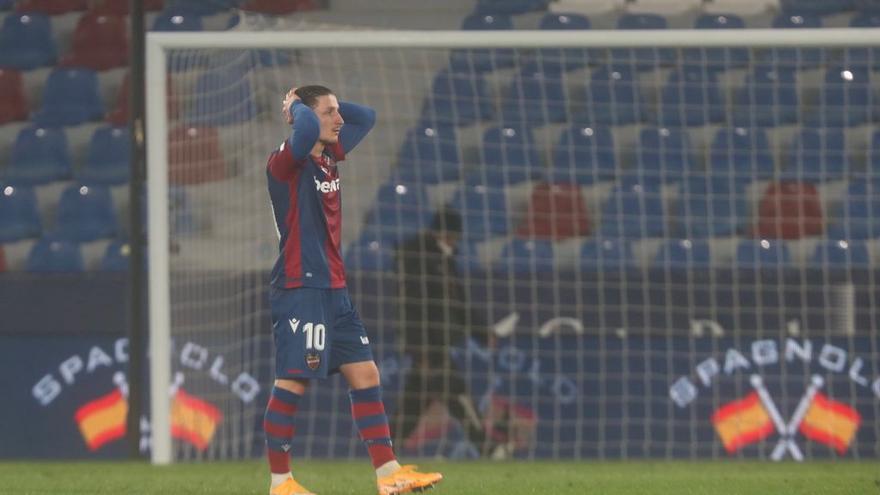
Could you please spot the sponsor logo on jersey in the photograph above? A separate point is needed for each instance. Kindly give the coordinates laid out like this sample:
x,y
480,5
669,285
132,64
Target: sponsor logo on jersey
x,y
327,186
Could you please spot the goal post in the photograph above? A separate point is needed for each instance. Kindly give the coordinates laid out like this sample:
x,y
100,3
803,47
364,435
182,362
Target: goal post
x,y
196,307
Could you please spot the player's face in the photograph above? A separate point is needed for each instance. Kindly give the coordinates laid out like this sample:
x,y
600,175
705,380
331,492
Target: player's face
x,y
327,110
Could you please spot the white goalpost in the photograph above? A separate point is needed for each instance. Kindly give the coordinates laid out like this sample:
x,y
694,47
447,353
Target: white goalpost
x,y
606,345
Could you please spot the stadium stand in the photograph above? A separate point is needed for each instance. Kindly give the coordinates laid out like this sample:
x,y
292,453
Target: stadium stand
x,y
109,157
19,217
71,96
13,103
85,213
555,212
100,42
39,155
52,256
26,42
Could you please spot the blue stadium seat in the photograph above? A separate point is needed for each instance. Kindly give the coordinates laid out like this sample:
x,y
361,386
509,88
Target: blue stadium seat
x,y
429,154
584,155
510,7
85,213
458,98
483,59
523,256
711,207
818,155
109,157
606,254
370,254
400,210
817,7
19,216
683,253
642,58
768,98
177,19
846,98
116,257
691,97
26,42
800,58
39,155
859,214
180,212
50,255
663,155
741,153
613,97
223,97
509,156
863,56
483,210
564,58
840,254
536,97
718,58
633,211
71,96
761,253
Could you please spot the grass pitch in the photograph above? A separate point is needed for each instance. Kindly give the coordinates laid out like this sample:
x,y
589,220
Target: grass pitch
x,y
461,478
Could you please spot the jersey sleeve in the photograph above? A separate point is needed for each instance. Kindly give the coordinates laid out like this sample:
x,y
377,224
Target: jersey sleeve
x,y
359,120
294,151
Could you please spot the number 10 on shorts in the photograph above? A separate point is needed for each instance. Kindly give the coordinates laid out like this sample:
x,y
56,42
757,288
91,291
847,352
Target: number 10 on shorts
x,y
314,336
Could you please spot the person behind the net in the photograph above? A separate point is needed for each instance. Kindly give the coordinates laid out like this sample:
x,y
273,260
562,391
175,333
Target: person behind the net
x,y
316,329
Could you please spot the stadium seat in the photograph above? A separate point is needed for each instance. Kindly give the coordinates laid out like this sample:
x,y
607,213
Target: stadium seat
x,y
278,7
862,56
741,153
13,104
837,254
683,253
817,7
711,206
718,58
613,97
483,59
789,210
800,58
51,7
458,98
859,213
691,97
100,42
606,254
557,212
19,216
429,154
510,7
509,156
369,256
39,155
536,97
768,98
642,58
761,253
846,98
202,7
194,156
584,155
117,7
119,115
177,19
71,96
483,210
664,155
223,97
26,42
563,58
109,157
52,255
818,155
524,256
116,257
400,210
633,211
85,213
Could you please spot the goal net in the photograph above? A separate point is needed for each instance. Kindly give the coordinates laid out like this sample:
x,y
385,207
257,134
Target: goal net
x,y
669,237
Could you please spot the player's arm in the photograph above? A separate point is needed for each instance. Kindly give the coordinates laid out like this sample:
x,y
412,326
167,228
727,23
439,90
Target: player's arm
x,y
296,148
358,122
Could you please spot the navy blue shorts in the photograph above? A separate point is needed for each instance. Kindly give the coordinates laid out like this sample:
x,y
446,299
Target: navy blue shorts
x,y
316,331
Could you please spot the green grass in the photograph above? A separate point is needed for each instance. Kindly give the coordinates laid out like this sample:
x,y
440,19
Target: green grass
x,y
461,478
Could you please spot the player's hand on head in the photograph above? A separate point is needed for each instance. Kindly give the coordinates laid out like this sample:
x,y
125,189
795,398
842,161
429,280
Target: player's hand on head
x,y
289,98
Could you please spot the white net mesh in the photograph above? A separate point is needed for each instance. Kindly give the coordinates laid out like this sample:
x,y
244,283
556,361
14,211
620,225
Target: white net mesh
x,y
671,248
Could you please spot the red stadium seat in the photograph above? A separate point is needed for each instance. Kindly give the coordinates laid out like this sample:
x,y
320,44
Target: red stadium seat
x,y
100,42
278,7
120,113
789,210
194,156
556,211
52,7
13,106
121,7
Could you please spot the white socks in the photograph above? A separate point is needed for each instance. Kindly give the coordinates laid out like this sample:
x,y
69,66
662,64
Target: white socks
x,y
387,469
277,479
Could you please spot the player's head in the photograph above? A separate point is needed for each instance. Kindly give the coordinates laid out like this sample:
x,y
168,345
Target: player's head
x,y
326,107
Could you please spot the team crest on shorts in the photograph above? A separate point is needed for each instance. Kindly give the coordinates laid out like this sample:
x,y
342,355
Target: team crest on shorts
x,y
313,360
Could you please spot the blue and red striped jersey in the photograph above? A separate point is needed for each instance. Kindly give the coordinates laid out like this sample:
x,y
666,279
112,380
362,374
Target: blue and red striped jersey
x,y
306,196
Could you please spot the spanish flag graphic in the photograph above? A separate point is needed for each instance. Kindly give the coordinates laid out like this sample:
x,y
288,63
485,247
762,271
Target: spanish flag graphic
x,y
830,422
742,422
103,419
194,420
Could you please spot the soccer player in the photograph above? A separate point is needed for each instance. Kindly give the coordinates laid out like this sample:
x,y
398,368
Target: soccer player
x,y
317,330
